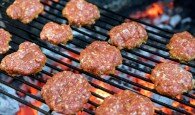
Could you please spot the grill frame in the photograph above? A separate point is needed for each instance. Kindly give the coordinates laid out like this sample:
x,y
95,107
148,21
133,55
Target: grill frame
x,y
24,28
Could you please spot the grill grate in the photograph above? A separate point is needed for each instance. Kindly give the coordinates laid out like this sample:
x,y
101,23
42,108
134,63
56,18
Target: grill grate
x,y
96,32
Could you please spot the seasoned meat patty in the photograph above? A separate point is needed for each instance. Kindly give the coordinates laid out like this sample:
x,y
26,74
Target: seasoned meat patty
x,y
182,46
128,35
66,92
25,10
126,103
5,38
170,79
27,60
56,34
81,13
100,58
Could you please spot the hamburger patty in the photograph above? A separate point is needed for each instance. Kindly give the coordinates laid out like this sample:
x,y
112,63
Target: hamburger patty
x,y
66,92
100,58
128,35
29,59
5,38
55,33
81,13
170,79
182,46
126,103
25,10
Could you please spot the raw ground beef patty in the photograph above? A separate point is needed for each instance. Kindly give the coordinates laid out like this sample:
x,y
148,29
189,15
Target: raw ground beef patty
x,y
182,46
28,60
66,92
100,58
126,103
128,35
25,10
55,33
5,38
170,79
81,13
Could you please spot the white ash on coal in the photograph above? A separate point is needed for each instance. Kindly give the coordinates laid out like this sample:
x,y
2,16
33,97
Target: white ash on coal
x,y
8,106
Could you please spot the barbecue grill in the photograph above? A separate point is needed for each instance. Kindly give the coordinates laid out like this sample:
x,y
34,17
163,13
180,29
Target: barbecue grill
x,y
158,38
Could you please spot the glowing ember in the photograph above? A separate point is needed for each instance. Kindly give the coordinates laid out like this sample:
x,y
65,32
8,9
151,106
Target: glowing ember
x,y
101,92
166,110
146,84
192,101
154,10
25,109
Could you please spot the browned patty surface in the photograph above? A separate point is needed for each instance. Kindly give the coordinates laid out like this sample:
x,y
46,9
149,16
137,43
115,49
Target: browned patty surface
x,y
100,58
25,10
182,46
29,59
126,103
128,35
5,38
80,12
55,33
66,92
170,79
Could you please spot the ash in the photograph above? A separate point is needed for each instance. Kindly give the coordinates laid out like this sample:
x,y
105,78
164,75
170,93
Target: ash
x,y
8,106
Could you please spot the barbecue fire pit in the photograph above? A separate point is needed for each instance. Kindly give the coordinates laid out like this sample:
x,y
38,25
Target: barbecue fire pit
x,y
21,94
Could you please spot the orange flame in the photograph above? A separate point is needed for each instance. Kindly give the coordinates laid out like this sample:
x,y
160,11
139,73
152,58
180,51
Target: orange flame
x,y
154,10
24,110
166,110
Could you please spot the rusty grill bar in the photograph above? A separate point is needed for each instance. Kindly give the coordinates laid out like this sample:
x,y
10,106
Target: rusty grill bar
x,y
108,19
